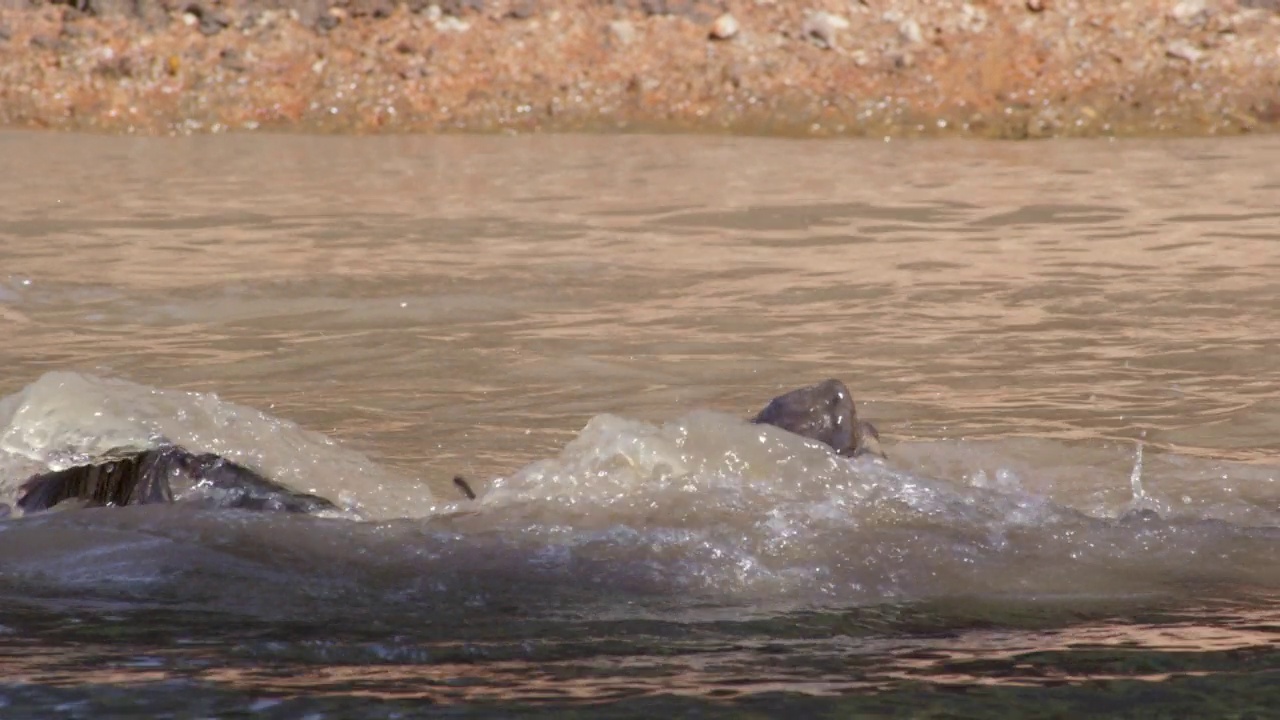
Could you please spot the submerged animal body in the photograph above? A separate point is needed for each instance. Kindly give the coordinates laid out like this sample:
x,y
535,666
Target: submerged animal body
x,y
141,477
822,412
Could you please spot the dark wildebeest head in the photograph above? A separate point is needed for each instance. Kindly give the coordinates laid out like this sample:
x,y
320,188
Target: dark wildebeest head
x,y
823,412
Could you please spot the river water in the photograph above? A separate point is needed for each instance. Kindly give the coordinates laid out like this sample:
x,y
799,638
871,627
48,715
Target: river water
x,y
1071,350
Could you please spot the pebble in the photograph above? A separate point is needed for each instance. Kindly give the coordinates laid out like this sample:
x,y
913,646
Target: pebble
x,y
1036,6
233,60
522,9
623,30
910,31
45,42
725,27
821,28
972,18
328,21
1190,12
450,23
1183,50
214,22
211,22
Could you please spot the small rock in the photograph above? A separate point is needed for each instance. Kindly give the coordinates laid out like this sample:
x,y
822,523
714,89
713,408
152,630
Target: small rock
x,y
307,13
522,9
654,7
821,28
1036,6
114,67
910,31
211,22
1190,12
1183,50
724,27
458,8
326,22
72,31
623,30
130,9
973,19
452,23
233,60
732,74
45,42
367,8
214,22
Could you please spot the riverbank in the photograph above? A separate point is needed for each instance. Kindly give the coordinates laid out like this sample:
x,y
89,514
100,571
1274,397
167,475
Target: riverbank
x,y
1015,69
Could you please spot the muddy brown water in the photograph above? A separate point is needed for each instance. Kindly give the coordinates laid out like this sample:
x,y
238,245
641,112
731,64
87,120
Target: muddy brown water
x,y
1071,349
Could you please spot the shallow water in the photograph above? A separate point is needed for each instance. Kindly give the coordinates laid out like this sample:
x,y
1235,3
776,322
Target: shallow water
x,y
1070,350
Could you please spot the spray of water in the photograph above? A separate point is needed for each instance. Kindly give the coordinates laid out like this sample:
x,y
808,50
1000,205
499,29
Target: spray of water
x,y
1135,477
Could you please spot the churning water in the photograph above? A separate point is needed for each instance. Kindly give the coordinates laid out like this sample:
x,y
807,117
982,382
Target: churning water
x,y
1071,350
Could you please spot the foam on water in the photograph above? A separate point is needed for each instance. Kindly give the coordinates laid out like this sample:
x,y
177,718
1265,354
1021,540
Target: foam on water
x,y
702,507
757,512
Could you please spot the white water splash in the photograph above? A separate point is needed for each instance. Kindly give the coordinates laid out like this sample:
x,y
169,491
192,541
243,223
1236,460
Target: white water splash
x,y
1135,477
64,418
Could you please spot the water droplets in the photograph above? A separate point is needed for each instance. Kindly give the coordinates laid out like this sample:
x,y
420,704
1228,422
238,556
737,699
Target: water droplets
x,y
1135,477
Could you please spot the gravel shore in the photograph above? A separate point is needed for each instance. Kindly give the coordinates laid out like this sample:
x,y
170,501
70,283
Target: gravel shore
x,y
1008,69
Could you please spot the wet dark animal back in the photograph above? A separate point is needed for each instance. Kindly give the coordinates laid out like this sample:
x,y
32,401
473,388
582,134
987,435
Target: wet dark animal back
x,y
147,476
823,412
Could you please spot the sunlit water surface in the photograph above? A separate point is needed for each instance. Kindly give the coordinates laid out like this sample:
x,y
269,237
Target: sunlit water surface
x,y
1072,351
